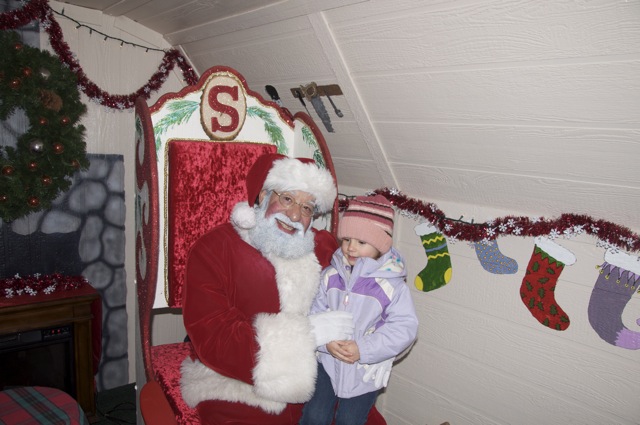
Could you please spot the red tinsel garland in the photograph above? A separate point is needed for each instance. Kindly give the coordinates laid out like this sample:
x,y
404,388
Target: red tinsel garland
x,y
610,234
40,10
32,285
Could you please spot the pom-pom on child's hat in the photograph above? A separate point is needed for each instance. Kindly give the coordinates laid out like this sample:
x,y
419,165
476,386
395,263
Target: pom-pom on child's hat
x,y
368,219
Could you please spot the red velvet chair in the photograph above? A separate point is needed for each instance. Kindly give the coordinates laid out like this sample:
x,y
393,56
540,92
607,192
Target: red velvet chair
x,y
193,149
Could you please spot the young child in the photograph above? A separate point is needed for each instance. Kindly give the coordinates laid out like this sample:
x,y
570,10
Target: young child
x,y
367,278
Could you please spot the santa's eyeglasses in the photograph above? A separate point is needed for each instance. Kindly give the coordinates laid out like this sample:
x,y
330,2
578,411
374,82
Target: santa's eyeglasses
x,y
287,200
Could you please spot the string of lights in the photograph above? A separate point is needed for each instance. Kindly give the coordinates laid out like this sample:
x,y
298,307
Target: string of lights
x,y
92,30
41,11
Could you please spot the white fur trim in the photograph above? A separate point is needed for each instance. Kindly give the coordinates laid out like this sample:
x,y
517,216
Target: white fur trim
x,y
425,229
243,216
298,280
287,366
199,383
291,174
623,260
558,252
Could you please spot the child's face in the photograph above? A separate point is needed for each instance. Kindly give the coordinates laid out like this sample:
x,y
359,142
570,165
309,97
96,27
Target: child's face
x,y
354,249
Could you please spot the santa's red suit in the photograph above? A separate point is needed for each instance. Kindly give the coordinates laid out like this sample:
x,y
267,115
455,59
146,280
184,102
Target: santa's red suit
x,y
246,315
252,350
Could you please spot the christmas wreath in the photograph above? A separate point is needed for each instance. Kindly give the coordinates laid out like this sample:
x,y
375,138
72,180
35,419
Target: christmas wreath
x,y
40,166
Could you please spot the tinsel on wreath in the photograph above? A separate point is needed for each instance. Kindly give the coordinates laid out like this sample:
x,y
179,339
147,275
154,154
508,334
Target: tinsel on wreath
x,y
52,149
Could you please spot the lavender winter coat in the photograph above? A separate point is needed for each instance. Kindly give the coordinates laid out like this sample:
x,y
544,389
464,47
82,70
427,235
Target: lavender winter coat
x,y
385,319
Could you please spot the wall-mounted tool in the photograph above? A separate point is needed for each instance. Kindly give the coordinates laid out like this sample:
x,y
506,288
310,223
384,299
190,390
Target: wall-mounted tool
x,y
273,94
335,108
298,94
311,93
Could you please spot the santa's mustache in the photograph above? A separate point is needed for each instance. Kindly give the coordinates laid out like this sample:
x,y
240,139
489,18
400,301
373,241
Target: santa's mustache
x,y
287,221
269,238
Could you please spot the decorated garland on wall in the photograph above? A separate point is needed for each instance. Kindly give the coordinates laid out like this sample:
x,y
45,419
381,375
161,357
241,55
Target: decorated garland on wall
x,y
618,277
40,10
40,168
610,235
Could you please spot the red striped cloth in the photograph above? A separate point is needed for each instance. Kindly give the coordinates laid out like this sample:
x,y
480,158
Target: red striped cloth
x,y
39,405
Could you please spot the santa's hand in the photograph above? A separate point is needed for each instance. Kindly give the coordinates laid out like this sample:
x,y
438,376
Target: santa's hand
x,y
379,372
331,326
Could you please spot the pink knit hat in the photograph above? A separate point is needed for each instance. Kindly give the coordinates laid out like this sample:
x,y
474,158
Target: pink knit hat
x,y
368,219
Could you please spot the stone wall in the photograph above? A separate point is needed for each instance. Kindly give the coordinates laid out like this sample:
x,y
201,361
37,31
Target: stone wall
x,y
82,234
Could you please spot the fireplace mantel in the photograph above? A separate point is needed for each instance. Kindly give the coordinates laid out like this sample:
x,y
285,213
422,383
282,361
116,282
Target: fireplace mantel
x,y
77,308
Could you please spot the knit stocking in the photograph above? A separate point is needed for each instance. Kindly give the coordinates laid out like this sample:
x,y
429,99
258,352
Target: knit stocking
x,y
437,272
539,283
618,281
494,261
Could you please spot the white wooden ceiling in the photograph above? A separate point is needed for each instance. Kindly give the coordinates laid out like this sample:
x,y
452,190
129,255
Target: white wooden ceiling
x,y
195,19
163,15
528,106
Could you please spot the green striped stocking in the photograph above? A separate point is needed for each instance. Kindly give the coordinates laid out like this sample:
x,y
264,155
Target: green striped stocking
x,y
437,272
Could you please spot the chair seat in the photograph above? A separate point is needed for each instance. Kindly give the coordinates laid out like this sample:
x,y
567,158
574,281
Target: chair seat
x,y
167,359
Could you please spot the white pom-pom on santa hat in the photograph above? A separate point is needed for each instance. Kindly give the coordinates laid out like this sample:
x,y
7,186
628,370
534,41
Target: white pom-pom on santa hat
x,y
243,216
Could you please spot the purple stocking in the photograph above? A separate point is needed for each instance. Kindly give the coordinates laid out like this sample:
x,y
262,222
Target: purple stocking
x,y
618,281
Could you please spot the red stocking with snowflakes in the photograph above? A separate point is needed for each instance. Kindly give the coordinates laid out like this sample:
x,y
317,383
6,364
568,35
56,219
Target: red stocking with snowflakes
x,y
619,279
540,280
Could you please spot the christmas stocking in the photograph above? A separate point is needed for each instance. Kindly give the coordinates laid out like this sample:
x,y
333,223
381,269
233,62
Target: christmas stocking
x,y
437,272
539,283
618,281
492,260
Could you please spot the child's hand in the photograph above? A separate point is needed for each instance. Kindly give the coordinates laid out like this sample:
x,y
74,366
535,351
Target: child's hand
x,y
346,351
337,350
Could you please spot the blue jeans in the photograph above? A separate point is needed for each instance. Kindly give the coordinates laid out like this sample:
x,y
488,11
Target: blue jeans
x,y
321,409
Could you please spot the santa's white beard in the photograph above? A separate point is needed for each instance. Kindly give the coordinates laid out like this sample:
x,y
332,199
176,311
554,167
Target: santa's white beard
x,y
267,238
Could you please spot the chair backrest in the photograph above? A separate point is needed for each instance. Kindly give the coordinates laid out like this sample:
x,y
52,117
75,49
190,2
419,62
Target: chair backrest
x,y
193,150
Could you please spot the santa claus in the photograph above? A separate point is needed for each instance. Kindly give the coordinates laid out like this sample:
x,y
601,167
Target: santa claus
x,y
249,288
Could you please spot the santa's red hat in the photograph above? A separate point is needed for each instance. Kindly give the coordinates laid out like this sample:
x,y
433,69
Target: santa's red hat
x,y
281,173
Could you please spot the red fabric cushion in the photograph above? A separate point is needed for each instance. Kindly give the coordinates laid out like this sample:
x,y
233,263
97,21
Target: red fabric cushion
x,y
167,360
205,181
